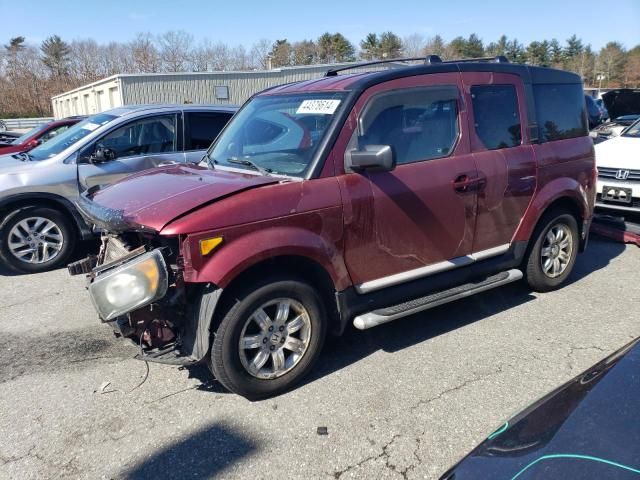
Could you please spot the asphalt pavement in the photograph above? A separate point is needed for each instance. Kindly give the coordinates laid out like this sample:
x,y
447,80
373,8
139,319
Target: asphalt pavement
x,y
403,400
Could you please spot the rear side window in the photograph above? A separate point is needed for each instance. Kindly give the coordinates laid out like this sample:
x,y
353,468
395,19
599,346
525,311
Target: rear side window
x,y
418,123
560,111
202,128
496,116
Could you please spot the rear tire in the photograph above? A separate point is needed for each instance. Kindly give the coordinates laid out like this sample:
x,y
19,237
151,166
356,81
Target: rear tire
x,y
36,239
269,338
553,253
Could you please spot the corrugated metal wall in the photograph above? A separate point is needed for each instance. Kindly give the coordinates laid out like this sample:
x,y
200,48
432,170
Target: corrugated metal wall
x,y
181,87
200,87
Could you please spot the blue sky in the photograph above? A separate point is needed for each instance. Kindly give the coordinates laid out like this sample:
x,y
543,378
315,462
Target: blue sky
x,y
244,22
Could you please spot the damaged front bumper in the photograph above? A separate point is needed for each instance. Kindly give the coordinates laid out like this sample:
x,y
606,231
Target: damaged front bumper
x,y
136,286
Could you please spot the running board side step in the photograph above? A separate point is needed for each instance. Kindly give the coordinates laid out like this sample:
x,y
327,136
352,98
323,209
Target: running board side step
x,y
388,314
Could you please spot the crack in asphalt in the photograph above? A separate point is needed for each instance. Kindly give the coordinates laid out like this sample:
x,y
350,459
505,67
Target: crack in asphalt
x,y
416,438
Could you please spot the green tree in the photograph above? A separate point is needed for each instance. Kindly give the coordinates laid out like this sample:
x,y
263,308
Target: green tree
x,y
436,46
335,48
55,56
281,53
474,47
495,49
390,45
538,53
515,51
370,47
611,60
471,47
556,53
632,68
305,52
15,44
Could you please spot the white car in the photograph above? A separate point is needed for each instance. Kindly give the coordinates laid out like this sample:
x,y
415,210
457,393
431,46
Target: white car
x,y
618,162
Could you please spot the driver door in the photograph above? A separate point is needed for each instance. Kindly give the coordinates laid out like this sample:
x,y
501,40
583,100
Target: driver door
x,y
138,145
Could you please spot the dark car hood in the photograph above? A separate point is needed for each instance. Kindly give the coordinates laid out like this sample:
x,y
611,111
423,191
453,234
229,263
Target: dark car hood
x,y
588,428
154,198
623,101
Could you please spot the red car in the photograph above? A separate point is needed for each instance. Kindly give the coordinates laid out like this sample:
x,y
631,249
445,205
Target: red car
x,y
37,135
357,198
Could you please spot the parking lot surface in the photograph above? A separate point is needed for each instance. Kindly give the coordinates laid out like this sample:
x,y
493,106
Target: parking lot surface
x,y
403,400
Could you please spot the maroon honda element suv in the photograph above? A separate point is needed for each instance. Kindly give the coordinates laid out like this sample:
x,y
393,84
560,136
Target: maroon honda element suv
x,y
361,198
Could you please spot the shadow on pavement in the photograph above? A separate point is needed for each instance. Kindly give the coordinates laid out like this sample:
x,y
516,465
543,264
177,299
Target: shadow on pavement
x,y
355,345
203,454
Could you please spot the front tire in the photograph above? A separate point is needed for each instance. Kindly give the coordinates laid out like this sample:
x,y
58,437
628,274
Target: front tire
x,y
36,239
553,254
269,338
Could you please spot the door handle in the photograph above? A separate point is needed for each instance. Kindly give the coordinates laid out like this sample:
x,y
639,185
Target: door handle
x,y
465,184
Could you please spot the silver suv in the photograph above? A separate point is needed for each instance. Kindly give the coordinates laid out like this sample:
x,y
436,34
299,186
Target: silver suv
x,y
39,224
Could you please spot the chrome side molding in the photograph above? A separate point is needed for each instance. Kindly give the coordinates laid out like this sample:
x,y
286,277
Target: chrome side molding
x,y
432,269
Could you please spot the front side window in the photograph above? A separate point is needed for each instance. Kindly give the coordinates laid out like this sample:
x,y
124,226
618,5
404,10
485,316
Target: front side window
x,y
53,132
202,128
560,111
70,136
23,138
146,136
496,116
278,133
418,123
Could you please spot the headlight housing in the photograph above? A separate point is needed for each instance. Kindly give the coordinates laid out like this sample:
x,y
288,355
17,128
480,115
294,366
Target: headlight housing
x,y
132,285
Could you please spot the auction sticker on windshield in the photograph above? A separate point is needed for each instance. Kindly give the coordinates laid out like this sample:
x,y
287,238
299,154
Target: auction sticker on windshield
x,y
315,107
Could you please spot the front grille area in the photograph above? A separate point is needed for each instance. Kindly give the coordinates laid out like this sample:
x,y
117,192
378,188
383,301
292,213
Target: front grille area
x,y
607,173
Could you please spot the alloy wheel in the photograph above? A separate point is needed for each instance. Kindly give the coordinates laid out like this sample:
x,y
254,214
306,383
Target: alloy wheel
x,y
274,338
557,249
35,240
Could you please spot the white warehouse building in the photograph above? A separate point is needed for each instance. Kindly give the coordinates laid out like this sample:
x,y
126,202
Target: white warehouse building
x,y
232,88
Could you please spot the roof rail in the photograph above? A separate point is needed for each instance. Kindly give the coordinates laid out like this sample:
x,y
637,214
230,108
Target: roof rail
x,y
429,60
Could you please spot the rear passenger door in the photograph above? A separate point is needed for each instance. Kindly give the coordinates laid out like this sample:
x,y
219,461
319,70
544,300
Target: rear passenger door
x,y
200,130
503,155
139,144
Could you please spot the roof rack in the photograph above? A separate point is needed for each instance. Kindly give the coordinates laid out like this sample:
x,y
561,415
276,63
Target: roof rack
x,y
429,60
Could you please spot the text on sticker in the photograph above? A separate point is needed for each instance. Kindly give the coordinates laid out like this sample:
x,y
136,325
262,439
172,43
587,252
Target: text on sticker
x,y
322,107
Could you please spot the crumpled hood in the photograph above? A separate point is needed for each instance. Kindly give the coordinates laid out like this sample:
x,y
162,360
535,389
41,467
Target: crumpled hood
x,y
155,197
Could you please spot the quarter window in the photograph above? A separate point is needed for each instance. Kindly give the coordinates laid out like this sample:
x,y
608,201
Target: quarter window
x,y
560,111
146,136
418,123
496,116
203,128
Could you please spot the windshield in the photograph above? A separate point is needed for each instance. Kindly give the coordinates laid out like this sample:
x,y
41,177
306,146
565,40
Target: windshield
x,y
633,130
279,134
69,137
23,138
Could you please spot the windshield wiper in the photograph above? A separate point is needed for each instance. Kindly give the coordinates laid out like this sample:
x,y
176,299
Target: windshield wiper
x,y
210,161
24,156
245,161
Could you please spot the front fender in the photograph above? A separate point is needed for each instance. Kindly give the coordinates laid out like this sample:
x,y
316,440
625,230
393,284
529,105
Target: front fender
x,y
242,250
557,189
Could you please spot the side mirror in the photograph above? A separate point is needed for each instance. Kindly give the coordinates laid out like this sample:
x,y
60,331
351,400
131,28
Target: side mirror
x,y
377,158
102,154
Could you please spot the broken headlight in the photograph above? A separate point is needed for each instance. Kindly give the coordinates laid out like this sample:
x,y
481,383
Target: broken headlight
x,y
137,283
